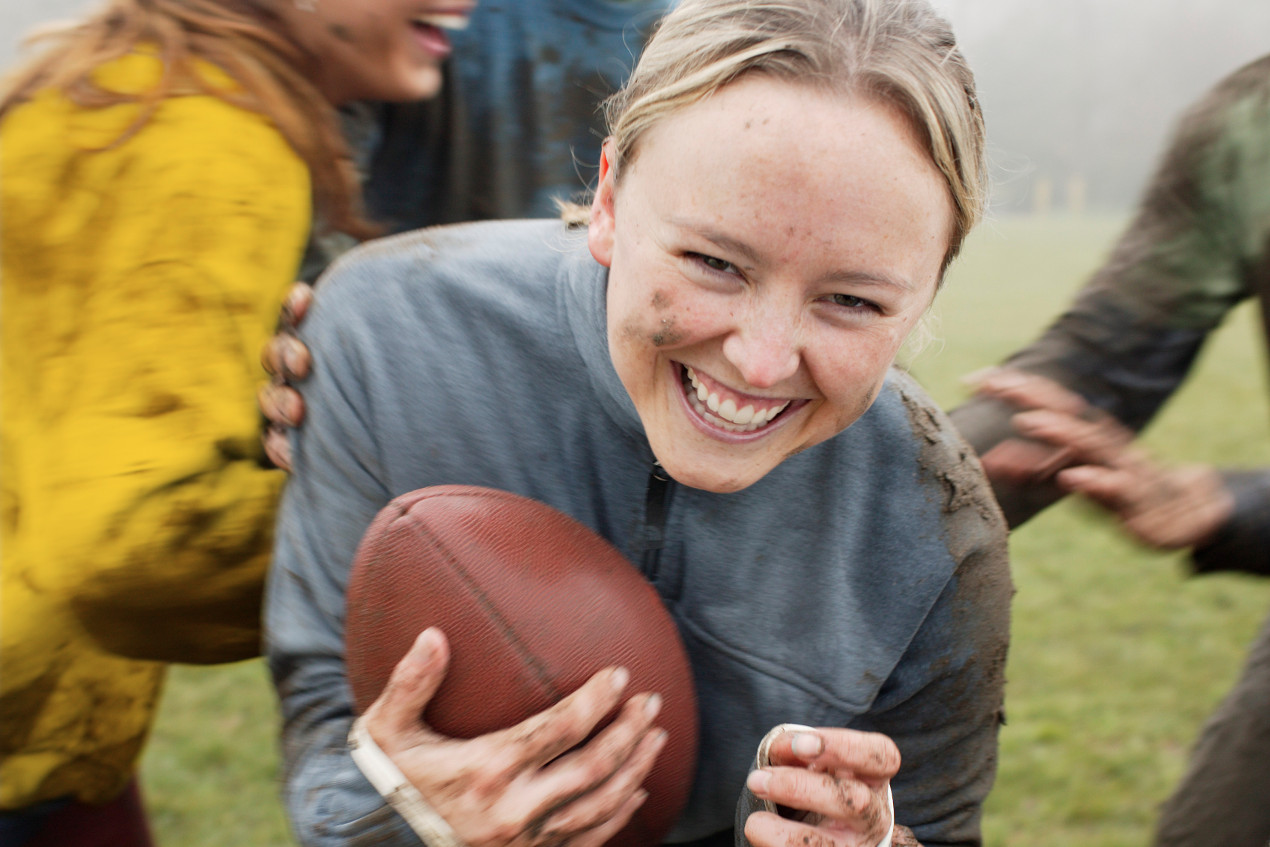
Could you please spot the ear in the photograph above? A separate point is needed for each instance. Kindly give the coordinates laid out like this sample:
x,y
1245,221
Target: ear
x,y
600,230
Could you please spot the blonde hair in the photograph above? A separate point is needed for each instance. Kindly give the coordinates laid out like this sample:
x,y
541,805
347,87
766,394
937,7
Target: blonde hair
x,y
898,51
243,38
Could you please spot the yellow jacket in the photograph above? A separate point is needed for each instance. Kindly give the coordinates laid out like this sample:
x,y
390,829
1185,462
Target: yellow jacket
x,y
138,285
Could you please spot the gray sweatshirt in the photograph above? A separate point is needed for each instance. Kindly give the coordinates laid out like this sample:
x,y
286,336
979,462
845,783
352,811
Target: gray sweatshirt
x,y
862,583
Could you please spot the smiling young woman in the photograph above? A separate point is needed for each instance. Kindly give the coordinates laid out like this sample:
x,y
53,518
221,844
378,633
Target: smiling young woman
x,y
161,162
745,270
705,378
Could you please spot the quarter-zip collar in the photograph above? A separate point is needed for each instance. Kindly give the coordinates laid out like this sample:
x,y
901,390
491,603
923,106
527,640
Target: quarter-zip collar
x,y
583,299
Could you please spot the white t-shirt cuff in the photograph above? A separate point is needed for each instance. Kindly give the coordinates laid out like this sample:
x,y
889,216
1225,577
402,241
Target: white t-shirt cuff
x,y
390,782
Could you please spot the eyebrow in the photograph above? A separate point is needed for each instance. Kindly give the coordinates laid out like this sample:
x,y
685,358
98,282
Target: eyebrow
x,y
726,242
745,251
873,278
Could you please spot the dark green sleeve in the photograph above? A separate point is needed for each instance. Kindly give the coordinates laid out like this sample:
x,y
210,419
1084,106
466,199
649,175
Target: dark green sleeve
x,y
1192,252
1244,543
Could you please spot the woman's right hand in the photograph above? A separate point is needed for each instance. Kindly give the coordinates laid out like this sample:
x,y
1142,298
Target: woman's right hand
x,y
530,784
286,359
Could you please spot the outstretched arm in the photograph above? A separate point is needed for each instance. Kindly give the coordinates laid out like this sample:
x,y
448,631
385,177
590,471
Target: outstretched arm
x,y
1192,252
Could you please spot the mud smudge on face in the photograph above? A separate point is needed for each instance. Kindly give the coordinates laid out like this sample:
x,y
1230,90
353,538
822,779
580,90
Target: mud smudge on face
x,y
667,334
661,300
342,33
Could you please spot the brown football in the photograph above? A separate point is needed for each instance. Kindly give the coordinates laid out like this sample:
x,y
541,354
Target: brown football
x,y
533,603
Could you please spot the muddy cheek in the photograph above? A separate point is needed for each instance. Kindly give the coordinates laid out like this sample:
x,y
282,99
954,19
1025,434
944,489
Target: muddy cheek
x,y
342,33
667,334
632,331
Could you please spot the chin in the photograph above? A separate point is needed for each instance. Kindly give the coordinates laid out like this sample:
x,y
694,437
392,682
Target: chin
x,y
715,479
421,85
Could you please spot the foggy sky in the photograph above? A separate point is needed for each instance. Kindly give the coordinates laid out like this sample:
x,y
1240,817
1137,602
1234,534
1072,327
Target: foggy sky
x,y
1074,91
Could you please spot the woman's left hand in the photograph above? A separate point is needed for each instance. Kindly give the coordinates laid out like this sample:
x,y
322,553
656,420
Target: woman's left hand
x,y
837,777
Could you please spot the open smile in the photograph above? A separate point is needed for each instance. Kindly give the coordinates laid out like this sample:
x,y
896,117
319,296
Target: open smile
x,y
430,30
728,410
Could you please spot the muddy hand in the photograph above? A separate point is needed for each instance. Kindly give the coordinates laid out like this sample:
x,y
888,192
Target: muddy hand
x,y
530,784
1027,460
1163,507
838,778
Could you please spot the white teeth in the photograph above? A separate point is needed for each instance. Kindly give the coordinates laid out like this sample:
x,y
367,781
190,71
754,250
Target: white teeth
x,y
444,21
729,417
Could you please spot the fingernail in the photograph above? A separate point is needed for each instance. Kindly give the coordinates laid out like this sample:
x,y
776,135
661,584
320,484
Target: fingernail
x,y
428,639
652,706
284,407
619,678
291,305
291,356
758,782
807,745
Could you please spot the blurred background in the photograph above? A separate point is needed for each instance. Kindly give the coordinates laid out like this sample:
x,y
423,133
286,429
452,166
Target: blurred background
x,y
1117,656
1077,94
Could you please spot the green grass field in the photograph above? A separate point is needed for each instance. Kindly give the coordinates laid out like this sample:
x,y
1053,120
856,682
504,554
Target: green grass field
x,y
1117,657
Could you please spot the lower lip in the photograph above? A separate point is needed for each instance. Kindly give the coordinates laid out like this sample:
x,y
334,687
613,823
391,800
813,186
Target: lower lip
x,y
717,433
433,40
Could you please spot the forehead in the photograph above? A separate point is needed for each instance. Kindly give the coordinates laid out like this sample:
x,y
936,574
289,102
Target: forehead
x,y
786,167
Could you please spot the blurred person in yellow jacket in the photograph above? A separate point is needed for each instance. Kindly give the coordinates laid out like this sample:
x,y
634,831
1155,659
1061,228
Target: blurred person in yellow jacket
x,y
160,163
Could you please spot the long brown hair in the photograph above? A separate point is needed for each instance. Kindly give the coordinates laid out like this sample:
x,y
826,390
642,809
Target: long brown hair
x,y
245,39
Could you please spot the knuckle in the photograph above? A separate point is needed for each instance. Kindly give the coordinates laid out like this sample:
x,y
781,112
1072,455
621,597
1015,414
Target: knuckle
x,y
598,768
854,799
881,751
505,829
494,772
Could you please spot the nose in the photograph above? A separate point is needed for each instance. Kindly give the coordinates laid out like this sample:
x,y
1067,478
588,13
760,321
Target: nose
x,y
764,350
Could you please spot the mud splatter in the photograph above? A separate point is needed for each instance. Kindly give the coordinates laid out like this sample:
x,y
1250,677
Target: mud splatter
x,y
975,533
667,334
343,33
902,836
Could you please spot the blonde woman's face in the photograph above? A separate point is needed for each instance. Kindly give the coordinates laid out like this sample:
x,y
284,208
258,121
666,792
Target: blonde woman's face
x,y
769,250
377,49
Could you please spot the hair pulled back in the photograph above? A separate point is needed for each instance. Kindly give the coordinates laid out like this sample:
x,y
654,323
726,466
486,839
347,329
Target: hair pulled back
x,y
897,51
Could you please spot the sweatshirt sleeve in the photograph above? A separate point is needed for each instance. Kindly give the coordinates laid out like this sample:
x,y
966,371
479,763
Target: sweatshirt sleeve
x,y
336,489
141,280
944,703
1244,543
1131,336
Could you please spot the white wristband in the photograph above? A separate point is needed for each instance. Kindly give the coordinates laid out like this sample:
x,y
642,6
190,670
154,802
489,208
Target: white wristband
x,y
762,760
890,809
390,782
